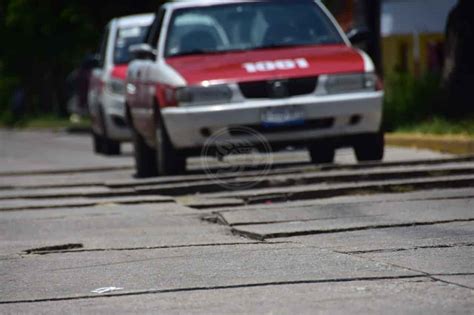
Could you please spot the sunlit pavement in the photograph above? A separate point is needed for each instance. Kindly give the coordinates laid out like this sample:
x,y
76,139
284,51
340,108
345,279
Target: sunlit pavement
x,y
78,233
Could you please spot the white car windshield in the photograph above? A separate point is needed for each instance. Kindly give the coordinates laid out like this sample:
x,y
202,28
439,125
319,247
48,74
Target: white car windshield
x,y
126,37
248,26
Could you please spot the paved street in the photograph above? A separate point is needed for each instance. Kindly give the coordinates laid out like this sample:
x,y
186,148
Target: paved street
x,y
393,237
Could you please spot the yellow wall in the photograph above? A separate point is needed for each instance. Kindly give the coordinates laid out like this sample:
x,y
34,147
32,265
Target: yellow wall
x,y
392,47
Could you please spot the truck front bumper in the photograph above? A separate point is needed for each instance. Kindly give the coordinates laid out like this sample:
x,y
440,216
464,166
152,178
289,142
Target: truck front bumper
x,y
324,117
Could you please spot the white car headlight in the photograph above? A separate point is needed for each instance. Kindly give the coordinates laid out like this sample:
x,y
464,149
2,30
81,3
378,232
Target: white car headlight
x,y
115,86
350,83
206,95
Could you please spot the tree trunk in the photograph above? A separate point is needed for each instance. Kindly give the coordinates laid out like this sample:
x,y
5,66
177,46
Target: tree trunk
x,y
458,74
372,20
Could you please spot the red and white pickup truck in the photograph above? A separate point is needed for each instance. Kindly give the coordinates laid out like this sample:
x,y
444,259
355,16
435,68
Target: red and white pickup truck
x,y
282,68
106,94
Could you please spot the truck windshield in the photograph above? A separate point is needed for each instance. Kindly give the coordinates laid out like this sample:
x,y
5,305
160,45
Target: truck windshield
x,y
248,26
126,37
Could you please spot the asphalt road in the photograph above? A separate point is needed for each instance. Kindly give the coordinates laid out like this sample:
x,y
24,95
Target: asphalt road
x,y
392,237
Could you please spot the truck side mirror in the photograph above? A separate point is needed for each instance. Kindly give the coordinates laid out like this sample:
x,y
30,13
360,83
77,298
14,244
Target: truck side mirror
x,y
358,36
143,52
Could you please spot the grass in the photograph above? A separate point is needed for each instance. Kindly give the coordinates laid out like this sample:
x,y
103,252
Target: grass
x,y
46,122
419,105
440,126
410,100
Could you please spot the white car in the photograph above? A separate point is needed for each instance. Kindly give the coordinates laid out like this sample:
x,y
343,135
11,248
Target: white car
x,y
106,95
282,68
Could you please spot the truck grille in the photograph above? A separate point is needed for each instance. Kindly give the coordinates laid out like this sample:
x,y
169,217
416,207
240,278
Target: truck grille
x,y
279,88
314,124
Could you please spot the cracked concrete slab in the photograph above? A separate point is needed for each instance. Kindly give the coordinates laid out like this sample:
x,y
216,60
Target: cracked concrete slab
x,y
392,239
168,260
108,226
77,274
115,178
452,260
337,218
415,210
325,190
71,192
306,171
464,280
68,191
434,194
409,296
200,176
32,204
308,178
196,202
61,180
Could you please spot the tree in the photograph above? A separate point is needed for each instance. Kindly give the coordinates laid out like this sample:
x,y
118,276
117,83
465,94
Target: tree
x,y
43,41
458,74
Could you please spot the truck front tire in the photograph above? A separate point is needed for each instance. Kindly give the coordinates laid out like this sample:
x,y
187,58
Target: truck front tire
x,y
168,160
102,143
370,147
144,156
97,143
322,152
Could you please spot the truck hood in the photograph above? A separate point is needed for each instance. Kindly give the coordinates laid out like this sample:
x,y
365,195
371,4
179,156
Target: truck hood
x,y
240,66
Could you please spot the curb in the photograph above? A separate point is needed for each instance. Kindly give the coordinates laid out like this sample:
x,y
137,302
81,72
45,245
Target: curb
x,y
446,144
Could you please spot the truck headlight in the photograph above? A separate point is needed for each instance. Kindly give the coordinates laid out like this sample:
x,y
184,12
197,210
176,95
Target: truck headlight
x,y
115,86
206,95
350,83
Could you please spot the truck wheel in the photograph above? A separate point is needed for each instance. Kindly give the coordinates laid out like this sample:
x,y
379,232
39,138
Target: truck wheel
x,y
370,147
168,160
107,146
322,152
97,143
110,147
144,156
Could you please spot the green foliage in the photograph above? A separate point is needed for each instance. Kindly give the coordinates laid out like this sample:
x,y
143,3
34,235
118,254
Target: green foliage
x,y
440,126
43,121
409,100
7,84
44,40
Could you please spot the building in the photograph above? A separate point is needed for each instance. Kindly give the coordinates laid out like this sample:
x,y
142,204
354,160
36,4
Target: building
x,y
412,31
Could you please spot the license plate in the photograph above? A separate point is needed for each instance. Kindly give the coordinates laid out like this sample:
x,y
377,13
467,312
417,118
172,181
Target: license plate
x,y
282,116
